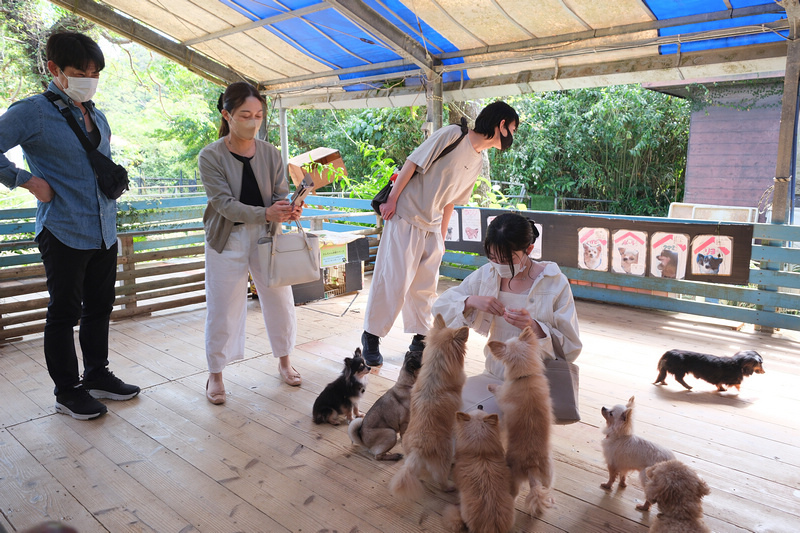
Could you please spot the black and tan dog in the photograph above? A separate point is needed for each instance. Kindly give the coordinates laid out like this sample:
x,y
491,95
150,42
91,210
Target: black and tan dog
x,y
388,417
341,396
720,371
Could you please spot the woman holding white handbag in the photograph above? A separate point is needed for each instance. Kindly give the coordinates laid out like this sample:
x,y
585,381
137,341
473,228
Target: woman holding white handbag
x,y
247,193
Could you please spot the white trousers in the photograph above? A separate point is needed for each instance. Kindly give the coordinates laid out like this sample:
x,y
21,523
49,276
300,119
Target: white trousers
x,y
405,278
226,300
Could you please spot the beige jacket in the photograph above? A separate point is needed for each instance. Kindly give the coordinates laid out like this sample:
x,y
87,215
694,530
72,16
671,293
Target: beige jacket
x,y
221,174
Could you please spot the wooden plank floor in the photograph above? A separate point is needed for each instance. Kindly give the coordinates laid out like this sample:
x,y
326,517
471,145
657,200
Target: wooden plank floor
x,y
169,461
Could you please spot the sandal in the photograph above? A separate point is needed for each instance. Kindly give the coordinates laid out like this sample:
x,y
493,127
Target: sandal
x,y
217,398
293,380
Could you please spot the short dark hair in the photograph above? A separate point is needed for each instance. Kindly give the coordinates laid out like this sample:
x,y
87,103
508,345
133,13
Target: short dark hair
x,y
233,97
76,50
509,233
491,116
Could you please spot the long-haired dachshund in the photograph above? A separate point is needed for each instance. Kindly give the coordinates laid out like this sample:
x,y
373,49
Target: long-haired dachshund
x,y
719,371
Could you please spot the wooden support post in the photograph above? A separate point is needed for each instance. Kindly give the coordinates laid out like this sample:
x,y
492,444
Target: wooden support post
x,y
284,142
128,265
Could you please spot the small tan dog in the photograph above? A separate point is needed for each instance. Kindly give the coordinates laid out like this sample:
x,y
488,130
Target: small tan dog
x,y
435,399
482,477
678,491
388,417
524,399
625,452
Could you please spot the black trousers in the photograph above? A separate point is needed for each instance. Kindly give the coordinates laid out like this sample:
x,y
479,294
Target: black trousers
x,y
81,287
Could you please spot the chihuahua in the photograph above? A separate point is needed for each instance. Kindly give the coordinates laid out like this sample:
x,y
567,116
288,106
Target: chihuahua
x,y
341,396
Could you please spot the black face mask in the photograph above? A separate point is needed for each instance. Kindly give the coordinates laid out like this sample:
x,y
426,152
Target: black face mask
x,y
506,141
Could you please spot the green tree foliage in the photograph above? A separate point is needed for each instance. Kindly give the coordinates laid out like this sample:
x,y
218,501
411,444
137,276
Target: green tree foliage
x,y
623,143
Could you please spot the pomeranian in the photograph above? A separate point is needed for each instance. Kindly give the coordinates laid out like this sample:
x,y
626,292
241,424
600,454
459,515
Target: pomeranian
x,y
524,399
720,371
341,396
435,399
624,451
482,477
678,491
388,417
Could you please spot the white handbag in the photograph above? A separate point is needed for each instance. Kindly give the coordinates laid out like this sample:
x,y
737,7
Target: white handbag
x,y
289,258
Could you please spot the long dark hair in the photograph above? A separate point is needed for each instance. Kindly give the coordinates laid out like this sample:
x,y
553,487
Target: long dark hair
x,y
509,233
233,97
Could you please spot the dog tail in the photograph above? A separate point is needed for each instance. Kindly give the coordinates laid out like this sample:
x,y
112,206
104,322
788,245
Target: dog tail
x,y
354,430
451,519
538,498
406,484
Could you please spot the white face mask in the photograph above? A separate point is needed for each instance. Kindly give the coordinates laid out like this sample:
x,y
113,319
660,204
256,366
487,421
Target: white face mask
x,y
245,129
80,89
504,271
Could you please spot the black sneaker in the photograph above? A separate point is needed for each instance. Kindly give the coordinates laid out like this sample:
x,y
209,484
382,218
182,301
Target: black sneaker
x,y
369,349
417,343
79,404
107,385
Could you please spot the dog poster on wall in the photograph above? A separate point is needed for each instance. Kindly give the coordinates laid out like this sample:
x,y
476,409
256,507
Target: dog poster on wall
x,y
453,232
668,253
711,254
629,252
471,225
593,248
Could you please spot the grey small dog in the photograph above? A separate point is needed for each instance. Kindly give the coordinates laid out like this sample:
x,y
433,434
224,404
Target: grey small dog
x,y
388,417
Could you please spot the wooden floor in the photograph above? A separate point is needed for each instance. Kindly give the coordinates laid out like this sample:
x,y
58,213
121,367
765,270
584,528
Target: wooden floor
x,y
168,461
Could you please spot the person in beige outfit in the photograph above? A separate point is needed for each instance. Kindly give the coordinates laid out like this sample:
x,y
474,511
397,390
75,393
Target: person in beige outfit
x,y
247,193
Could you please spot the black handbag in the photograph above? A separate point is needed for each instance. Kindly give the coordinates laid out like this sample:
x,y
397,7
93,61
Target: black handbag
x,y
111,177
383,195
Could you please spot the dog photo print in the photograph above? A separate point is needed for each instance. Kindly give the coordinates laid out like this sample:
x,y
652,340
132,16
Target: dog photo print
x,y
629,252
453,231
471,225
668,253
593,249
711,255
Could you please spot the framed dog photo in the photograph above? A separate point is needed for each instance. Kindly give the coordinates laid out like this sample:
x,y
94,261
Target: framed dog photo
x,y
593,249
712,255
453,231
629,252
668,252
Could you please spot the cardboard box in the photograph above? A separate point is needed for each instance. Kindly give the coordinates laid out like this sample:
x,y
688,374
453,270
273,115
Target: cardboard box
x,y
337,279
323,156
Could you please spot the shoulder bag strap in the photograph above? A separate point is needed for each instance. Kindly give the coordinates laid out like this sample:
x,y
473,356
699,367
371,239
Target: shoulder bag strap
x,y
64,109
452,146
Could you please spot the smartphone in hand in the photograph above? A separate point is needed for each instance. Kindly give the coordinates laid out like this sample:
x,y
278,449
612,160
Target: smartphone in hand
x,y
303,190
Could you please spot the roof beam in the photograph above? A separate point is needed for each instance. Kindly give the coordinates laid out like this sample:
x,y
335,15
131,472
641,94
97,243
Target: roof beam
x,y
297,13
143,35
369,19
616,30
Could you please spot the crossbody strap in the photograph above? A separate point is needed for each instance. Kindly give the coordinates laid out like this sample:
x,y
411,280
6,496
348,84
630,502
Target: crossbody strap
x,y
452,146
64,109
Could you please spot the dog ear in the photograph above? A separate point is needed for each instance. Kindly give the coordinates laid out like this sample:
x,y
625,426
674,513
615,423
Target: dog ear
x,y
357,353
526,334
497,348
702,489
464,417
439,322
462,334
492,419
630,402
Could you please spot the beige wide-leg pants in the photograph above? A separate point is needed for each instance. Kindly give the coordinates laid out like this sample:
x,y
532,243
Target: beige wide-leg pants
x,y
405,278
226,300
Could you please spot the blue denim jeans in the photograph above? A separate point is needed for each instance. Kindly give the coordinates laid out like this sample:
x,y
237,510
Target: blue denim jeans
x,y
81,287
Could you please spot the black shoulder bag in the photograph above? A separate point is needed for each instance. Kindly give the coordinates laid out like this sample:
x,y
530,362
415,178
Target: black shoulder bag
x,y
111,177
383,195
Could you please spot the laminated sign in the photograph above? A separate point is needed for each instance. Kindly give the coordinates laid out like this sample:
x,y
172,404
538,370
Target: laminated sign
x,y
593,248
712,254
668,252
629,252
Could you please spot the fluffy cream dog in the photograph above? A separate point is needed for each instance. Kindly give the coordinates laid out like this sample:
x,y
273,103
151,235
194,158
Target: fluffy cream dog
x,y
435,399
678,491
624,451
482,477
524,399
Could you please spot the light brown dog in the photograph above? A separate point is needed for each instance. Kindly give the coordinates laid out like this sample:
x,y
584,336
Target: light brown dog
x,y
625,452
678,491
435,399
388,417
524,399
482,477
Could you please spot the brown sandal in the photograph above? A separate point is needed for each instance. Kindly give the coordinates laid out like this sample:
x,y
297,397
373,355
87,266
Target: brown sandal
x,y
217,398
293,380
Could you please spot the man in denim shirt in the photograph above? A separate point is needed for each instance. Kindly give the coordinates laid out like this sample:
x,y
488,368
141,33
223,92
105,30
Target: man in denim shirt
x,y
75,223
